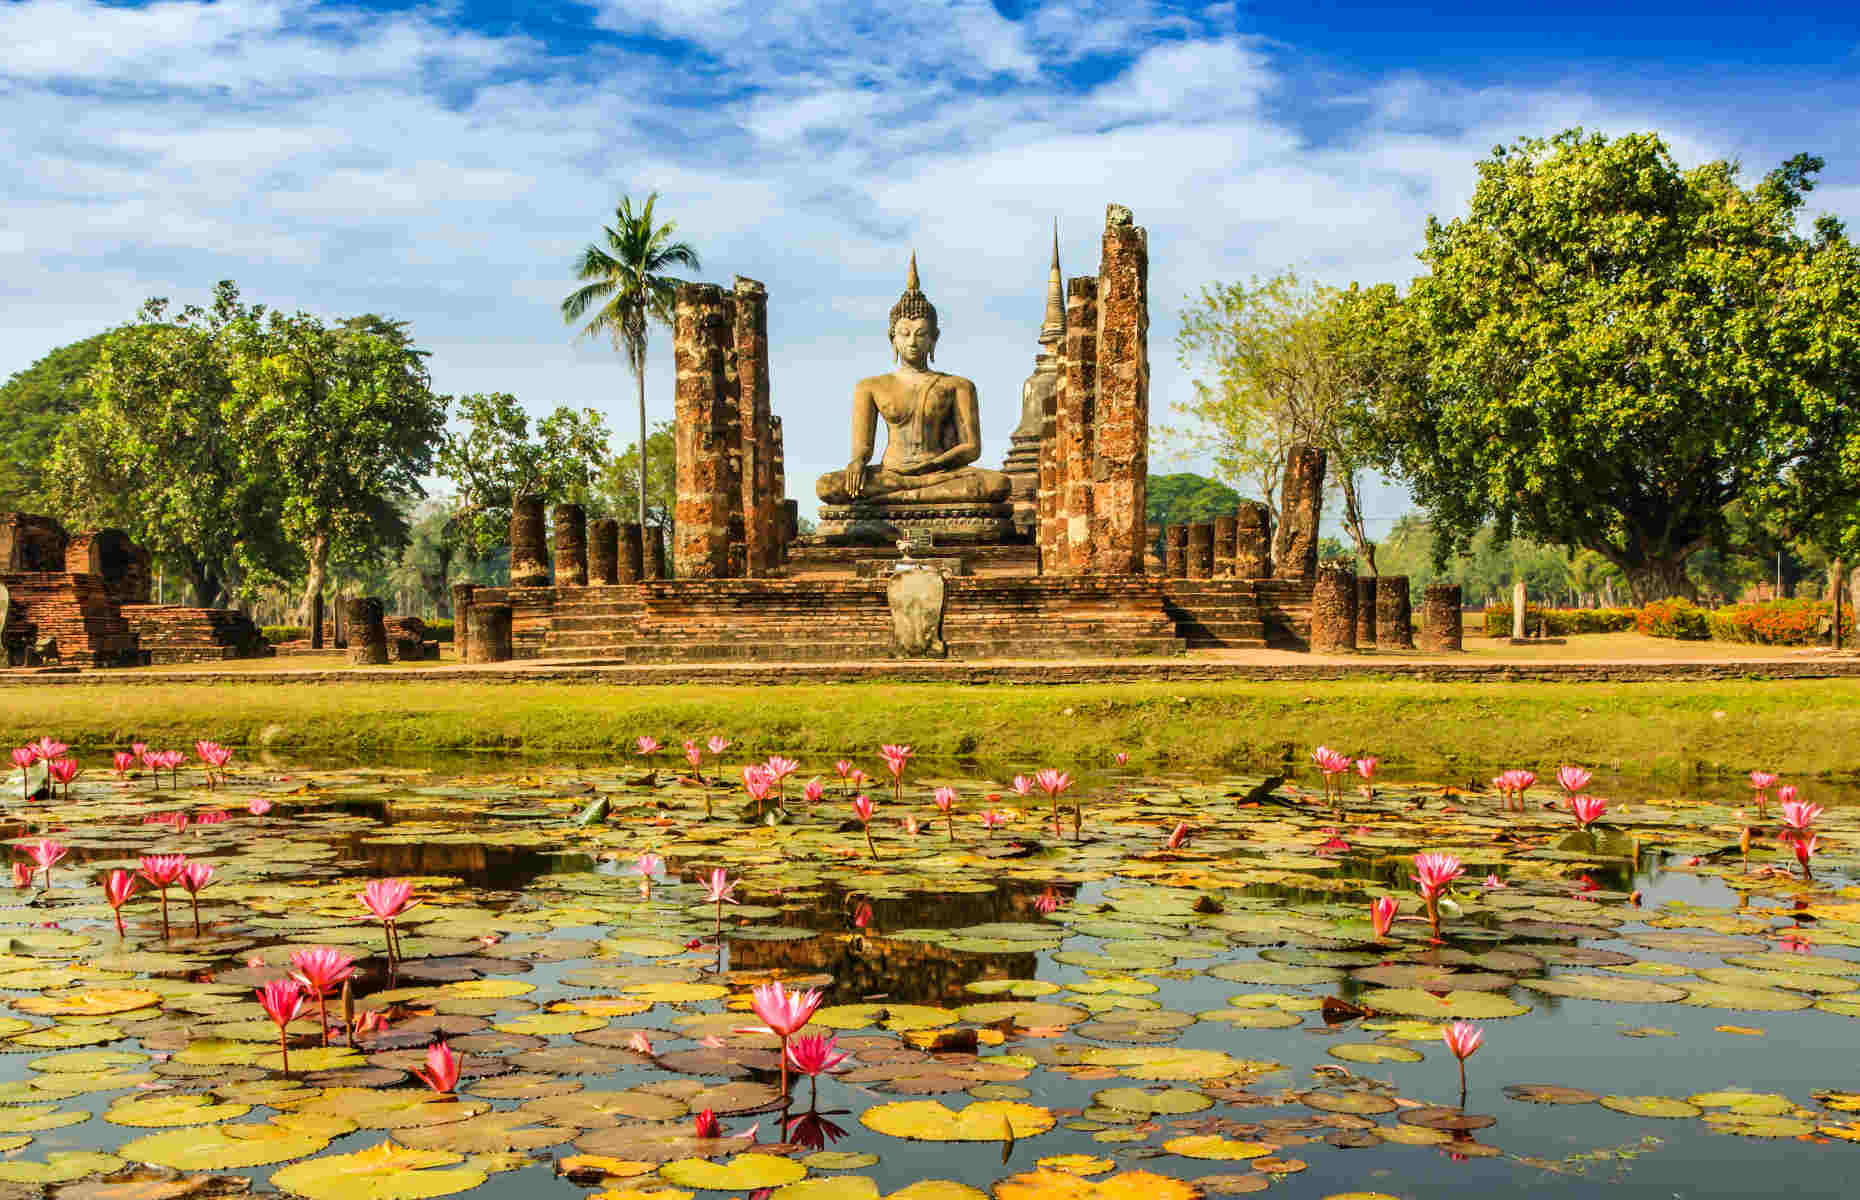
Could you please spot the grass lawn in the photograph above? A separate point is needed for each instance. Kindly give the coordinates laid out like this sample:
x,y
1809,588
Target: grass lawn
x,y
1463,730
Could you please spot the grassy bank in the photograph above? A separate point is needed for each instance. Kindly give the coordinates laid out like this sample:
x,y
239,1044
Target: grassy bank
x,y
1677,730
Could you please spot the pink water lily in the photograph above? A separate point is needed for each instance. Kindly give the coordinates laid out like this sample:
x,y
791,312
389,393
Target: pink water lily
x,y
1049,902
778,769
1178,837
694,754
1586,809
945,800
163,870
1573,779
388,900
442,1068
46,854
117,889
194,877
759,784
862,808
1760,784
1332,764
1023,785
895,757
707,1125
1433,872
121,761
1366,771
259,806
63,770
23,758
646,866
1799,815
639,1043
320,970
1121,758
813,790
993,819
283,1002
1382,915
813,1055
45,748
720,890
1462,1038
718,743
1805,848
23,874
214,757
785,1013
646,746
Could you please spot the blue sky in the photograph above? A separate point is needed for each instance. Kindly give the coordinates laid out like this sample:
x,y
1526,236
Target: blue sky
x,y
443,163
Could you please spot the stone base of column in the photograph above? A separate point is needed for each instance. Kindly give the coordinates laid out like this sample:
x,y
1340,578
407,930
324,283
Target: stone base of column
x,y
604,551
368,642
1440,617
1365,611
1333,610
490,633
1394,613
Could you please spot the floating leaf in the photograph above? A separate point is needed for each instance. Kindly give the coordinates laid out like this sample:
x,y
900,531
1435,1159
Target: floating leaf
x,y
382,1172
1213,1146
929,1121
1064,1185
1650,1106
229,1147
743,1173
60,1166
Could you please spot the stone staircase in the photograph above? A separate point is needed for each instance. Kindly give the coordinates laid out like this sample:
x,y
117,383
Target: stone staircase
x,y
1240,614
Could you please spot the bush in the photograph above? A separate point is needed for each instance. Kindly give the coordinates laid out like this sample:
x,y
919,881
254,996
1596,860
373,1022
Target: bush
x,y
275,634
1676,618
440,629
1778,623
1559,622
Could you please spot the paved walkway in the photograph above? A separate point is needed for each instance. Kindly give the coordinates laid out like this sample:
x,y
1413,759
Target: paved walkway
x,y
1200,665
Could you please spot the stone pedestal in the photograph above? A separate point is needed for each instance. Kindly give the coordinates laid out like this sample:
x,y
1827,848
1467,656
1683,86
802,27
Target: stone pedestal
x,y
632,562
1394,615
1440,617
1301,500
461,619
1365,610
571,545
707,426
916,598
1333,611
1225,530
368,641
1253,541
604,551
529,554
945,522
1122,444
1175,551
489,638
1201,550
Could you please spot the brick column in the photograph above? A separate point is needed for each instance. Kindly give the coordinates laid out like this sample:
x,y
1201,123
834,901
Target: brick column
x,y
1074,425
705,424
604,551
1301,503
1200,550
1152,548
1365,610
461,617
1226,532
1121,445
1333,610
489,640
571,545
1440,617
1175,551
1394,614
1047,530
760,504
367,632
653,564
529,554
1253,541
632,565
778,473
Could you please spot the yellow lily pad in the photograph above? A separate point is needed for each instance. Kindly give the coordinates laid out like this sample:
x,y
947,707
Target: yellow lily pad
x,y
745,1172
60,1166
383,1172
230,1147
982,1121
165,1111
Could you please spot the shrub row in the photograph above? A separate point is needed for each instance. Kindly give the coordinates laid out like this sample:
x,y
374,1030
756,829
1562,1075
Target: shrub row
x,y
1676,618
439,631
1559,622
1778,623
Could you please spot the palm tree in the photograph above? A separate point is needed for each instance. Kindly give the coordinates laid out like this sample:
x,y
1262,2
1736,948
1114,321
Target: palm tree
x,y
627,291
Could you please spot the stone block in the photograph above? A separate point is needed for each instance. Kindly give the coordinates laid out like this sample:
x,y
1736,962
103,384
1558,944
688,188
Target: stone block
x,y
529,554
461,619
1440,617
1365,611
1333,610
571,545
490,633
368,640
632,564
1226,530
1252,541
604,551
1394,613
1201,550
1175,551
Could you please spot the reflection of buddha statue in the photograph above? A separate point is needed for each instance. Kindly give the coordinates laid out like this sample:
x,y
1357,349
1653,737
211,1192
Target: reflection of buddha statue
x,y
932,420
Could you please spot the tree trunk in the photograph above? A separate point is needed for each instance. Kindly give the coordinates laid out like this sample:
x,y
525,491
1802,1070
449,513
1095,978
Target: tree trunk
x,y
202,582
1353,523
318,553
1658,579
639,377
1836,594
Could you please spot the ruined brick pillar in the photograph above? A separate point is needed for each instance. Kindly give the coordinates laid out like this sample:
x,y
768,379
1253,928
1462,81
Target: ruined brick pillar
x,y
1226,533
1074,403
604,551
1046,526
1365,610
761,503
1121,444
1440,617
790,525
489,640
706,425
778,469
653,543
571,545
461,619
632,566
1175,551
1333,610
1253,541
529,547
1394,614
1201,550
1152,548
368,643
1301,503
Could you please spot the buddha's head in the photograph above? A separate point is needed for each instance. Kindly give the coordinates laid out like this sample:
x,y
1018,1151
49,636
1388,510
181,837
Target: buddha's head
x,y
913,330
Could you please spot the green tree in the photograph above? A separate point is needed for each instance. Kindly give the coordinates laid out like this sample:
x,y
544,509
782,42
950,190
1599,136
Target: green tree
x,y
1275,368
1608,351
625,290
615,493
160,452
1183,498
495,460
34,405
345,421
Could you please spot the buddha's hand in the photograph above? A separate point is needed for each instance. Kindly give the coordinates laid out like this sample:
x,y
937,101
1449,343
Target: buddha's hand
x,y
855,478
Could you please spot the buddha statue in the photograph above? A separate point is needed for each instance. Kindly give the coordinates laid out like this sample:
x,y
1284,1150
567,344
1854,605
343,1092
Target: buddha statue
x,y
933,426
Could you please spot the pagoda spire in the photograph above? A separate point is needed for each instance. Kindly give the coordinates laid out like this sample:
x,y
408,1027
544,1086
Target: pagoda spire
x,y
1053,328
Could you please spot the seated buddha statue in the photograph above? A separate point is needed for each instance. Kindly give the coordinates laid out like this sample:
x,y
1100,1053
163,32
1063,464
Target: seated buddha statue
x,y
933,425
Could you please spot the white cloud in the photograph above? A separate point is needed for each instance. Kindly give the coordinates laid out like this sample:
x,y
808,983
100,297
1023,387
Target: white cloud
x,y
394,162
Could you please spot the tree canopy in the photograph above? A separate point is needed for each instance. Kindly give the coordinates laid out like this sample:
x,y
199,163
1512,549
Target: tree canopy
x,y
1608,351
34,405
494,459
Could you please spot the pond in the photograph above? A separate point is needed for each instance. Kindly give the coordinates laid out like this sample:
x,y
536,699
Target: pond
x,y
1177,990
